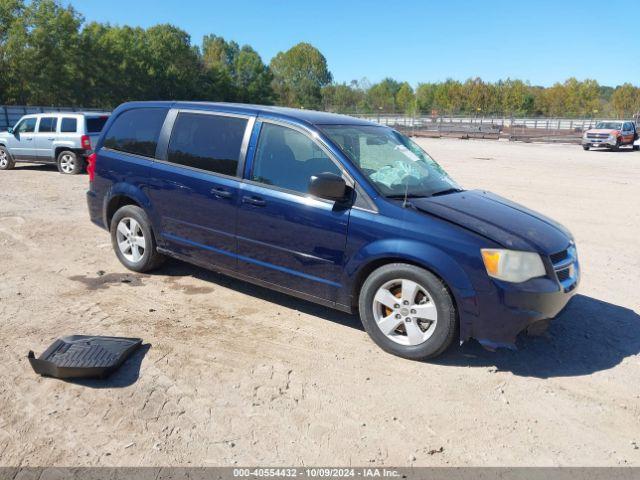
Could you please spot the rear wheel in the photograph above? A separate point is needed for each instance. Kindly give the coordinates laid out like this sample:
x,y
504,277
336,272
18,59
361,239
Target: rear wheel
x,y
636,147
69,163
6,161
133,240
407,311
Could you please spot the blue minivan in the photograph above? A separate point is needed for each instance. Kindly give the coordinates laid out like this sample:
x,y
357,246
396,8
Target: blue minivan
x,y
333,209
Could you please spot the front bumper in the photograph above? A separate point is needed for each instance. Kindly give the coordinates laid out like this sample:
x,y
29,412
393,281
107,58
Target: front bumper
x,y
509,308
598,142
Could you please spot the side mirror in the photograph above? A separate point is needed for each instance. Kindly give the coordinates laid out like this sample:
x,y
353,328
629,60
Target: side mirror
x,y
328,186
10,130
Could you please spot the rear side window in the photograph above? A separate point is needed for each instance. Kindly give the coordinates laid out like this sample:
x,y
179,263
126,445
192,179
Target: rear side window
x,y
48,124
69,125
207,142
136,131
287,159
96,124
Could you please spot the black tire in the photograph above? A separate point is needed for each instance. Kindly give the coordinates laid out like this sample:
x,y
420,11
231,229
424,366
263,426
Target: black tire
x,y
617,147
69,163
636,147
6,160
445,327
585,147
150,259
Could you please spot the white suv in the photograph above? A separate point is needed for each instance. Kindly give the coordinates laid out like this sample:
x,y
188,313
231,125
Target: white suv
x,y
61,138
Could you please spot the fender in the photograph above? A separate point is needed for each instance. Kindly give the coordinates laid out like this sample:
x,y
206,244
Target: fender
x,y
134,193
418,253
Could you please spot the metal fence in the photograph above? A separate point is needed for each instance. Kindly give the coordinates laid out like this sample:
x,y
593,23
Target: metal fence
x,y
490,127
513,128
10,114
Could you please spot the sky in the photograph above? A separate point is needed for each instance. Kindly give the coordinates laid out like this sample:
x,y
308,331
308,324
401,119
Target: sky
x,y
416,41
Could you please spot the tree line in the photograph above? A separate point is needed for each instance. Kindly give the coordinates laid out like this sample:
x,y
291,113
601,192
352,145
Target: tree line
x,y
49,55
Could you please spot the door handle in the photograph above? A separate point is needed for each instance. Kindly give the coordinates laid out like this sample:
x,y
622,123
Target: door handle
x,y
257,201
51,138
221,193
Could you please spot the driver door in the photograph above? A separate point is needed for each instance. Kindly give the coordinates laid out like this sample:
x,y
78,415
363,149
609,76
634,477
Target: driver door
x,y
22,145
286,237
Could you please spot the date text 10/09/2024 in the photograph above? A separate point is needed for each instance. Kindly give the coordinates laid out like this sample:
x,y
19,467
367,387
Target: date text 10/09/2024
x,y
315,472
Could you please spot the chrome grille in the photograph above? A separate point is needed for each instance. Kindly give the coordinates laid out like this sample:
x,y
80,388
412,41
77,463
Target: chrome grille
x,y
565,266
563,274
598,135
558,257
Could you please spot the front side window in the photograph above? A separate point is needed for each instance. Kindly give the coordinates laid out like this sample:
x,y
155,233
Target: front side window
x,y
286,158
28,125
392,162
207,142
136,131
48,124
69,125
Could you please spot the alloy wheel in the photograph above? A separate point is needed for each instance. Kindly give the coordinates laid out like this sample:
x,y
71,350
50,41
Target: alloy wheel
x,y
405,312
67,163
130,238
4,159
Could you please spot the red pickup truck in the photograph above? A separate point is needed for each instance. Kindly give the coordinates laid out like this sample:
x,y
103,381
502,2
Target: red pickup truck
x,y
611,134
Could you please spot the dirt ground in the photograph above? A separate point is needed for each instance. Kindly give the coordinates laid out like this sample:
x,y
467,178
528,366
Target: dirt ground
x,y
233,374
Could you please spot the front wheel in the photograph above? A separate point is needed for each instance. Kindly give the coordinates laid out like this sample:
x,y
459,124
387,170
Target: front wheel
x,y
636,147
6,161
407,311
585,147
133,240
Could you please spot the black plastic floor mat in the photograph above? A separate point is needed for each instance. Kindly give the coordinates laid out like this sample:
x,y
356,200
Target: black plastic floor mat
x,y
81,356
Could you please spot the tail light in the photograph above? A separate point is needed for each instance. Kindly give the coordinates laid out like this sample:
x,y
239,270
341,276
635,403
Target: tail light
x,y
91,166
85,141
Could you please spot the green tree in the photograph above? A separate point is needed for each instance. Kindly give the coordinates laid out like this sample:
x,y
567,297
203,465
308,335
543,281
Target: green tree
x,y
382,96
40,50
299,75
343,98
252,77
425,97
625,100
406,99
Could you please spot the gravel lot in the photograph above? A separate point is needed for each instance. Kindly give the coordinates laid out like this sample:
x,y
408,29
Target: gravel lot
x,y
236,374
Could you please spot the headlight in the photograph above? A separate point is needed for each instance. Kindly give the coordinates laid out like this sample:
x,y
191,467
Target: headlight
x,y
511,265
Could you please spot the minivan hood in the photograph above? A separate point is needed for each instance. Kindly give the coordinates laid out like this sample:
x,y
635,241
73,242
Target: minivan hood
x,y
501,220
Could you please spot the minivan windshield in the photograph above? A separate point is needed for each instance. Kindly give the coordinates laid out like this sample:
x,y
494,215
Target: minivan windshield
x,y
394,164
609,125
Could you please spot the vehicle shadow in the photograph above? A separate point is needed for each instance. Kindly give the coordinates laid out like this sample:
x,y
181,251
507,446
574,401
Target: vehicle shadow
x,y
125,376
589,336
175,268
604,149
36,167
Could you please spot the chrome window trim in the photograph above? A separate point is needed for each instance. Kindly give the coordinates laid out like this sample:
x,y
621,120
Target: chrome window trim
x,y
137,155
170,121
311,135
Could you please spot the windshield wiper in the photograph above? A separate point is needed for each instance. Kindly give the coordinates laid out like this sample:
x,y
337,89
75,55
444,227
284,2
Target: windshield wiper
x,y
402,195
446,192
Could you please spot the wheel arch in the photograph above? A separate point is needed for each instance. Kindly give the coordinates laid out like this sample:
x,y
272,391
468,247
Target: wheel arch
x,y
122,194
430,258
60,148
